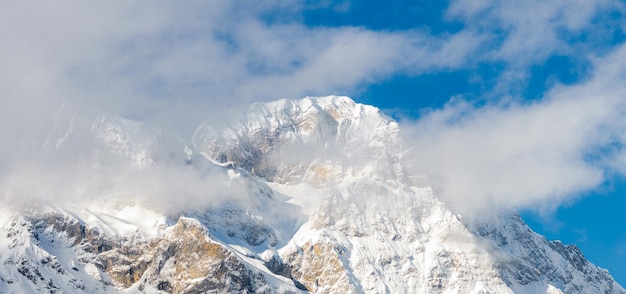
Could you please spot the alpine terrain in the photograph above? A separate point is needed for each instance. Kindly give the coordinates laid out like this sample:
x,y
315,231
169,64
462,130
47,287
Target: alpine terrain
x,y
316,195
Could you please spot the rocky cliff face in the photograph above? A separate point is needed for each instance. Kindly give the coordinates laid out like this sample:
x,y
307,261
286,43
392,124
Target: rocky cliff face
x,y
313,195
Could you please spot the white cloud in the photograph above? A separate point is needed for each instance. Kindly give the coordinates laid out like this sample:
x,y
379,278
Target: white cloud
x,y
174,63
523,155
164,187
523,34
527,32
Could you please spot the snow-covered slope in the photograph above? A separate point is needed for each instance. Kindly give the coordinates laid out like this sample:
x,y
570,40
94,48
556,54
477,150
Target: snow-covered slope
x,y
312,195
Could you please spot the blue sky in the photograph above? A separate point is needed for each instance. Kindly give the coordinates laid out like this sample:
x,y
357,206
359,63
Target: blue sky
x,y
510,104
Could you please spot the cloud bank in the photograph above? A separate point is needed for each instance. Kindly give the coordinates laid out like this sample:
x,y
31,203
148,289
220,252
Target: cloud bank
x,y
172,65
517,155
176,64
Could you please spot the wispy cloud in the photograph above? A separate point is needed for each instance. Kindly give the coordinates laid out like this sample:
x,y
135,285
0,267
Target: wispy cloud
x,y
530,31
523,34
526,154
174,63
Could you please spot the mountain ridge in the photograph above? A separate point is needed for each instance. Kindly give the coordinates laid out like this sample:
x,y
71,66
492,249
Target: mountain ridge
x,y
310,195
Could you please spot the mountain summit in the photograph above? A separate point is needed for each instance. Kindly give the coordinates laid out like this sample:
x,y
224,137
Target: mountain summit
x,y
315,195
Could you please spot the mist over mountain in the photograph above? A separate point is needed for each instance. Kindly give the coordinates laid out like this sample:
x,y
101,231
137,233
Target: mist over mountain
x,y
320,195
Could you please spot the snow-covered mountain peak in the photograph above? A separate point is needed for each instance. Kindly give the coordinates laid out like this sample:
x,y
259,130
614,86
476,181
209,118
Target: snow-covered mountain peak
x,y
80,133
375,215
316,119
312,195
290,140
